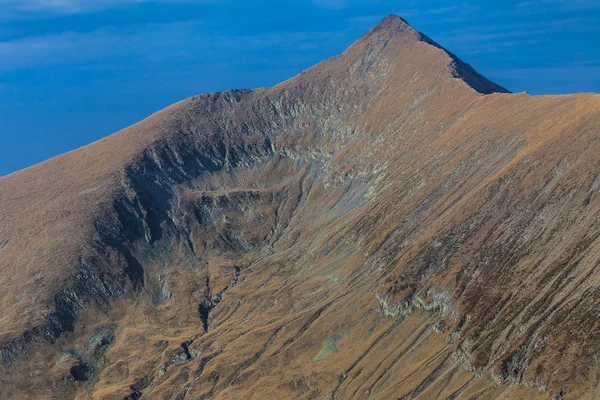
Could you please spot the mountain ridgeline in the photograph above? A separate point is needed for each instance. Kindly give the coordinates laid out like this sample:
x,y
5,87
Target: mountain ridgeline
x,y
389,224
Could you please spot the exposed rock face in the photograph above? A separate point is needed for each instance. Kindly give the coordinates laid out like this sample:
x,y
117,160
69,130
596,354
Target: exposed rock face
x,y
388,224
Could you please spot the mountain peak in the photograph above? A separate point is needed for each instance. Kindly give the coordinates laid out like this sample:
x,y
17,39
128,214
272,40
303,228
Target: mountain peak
x,y
395,29
394,25
393,20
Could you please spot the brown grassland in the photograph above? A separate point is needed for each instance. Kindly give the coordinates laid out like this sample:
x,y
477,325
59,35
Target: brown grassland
x,y
386,225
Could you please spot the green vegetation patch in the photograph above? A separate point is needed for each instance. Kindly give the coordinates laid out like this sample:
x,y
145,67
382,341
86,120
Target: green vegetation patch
x,y
330,345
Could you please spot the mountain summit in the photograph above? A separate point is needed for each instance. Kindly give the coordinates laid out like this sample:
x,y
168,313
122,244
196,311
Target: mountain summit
x,y
387,224
394,27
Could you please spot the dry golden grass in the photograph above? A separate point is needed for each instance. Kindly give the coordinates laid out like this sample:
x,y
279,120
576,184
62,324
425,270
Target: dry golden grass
x,y
372,228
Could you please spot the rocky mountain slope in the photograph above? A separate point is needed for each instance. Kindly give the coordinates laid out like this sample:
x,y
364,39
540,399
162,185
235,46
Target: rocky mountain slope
x,y
388,224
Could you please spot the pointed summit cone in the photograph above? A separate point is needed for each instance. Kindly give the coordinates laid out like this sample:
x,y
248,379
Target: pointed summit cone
x,y
392,26
375,227
396,28
394,54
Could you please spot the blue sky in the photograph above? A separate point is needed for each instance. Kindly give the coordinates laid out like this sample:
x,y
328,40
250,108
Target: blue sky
x,y
73,71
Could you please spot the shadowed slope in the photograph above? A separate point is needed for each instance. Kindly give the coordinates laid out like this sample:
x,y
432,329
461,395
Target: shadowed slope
x,y
375,227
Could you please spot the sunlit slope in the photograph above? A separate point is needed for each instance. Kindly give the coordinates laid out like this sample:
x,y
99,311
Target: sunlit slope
x,y
387,224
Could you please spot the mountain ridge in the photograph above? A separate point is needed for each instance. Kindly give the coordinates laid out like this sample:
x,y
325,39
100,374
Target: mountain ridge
x,y
376,181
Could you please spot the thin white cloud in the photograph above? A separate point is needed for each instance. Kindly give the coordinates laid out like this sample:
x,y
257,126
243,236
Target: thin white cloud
x,y
495,38
342,4
559,4
532,7
152,43
62,6
332,4
443,10
20,8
